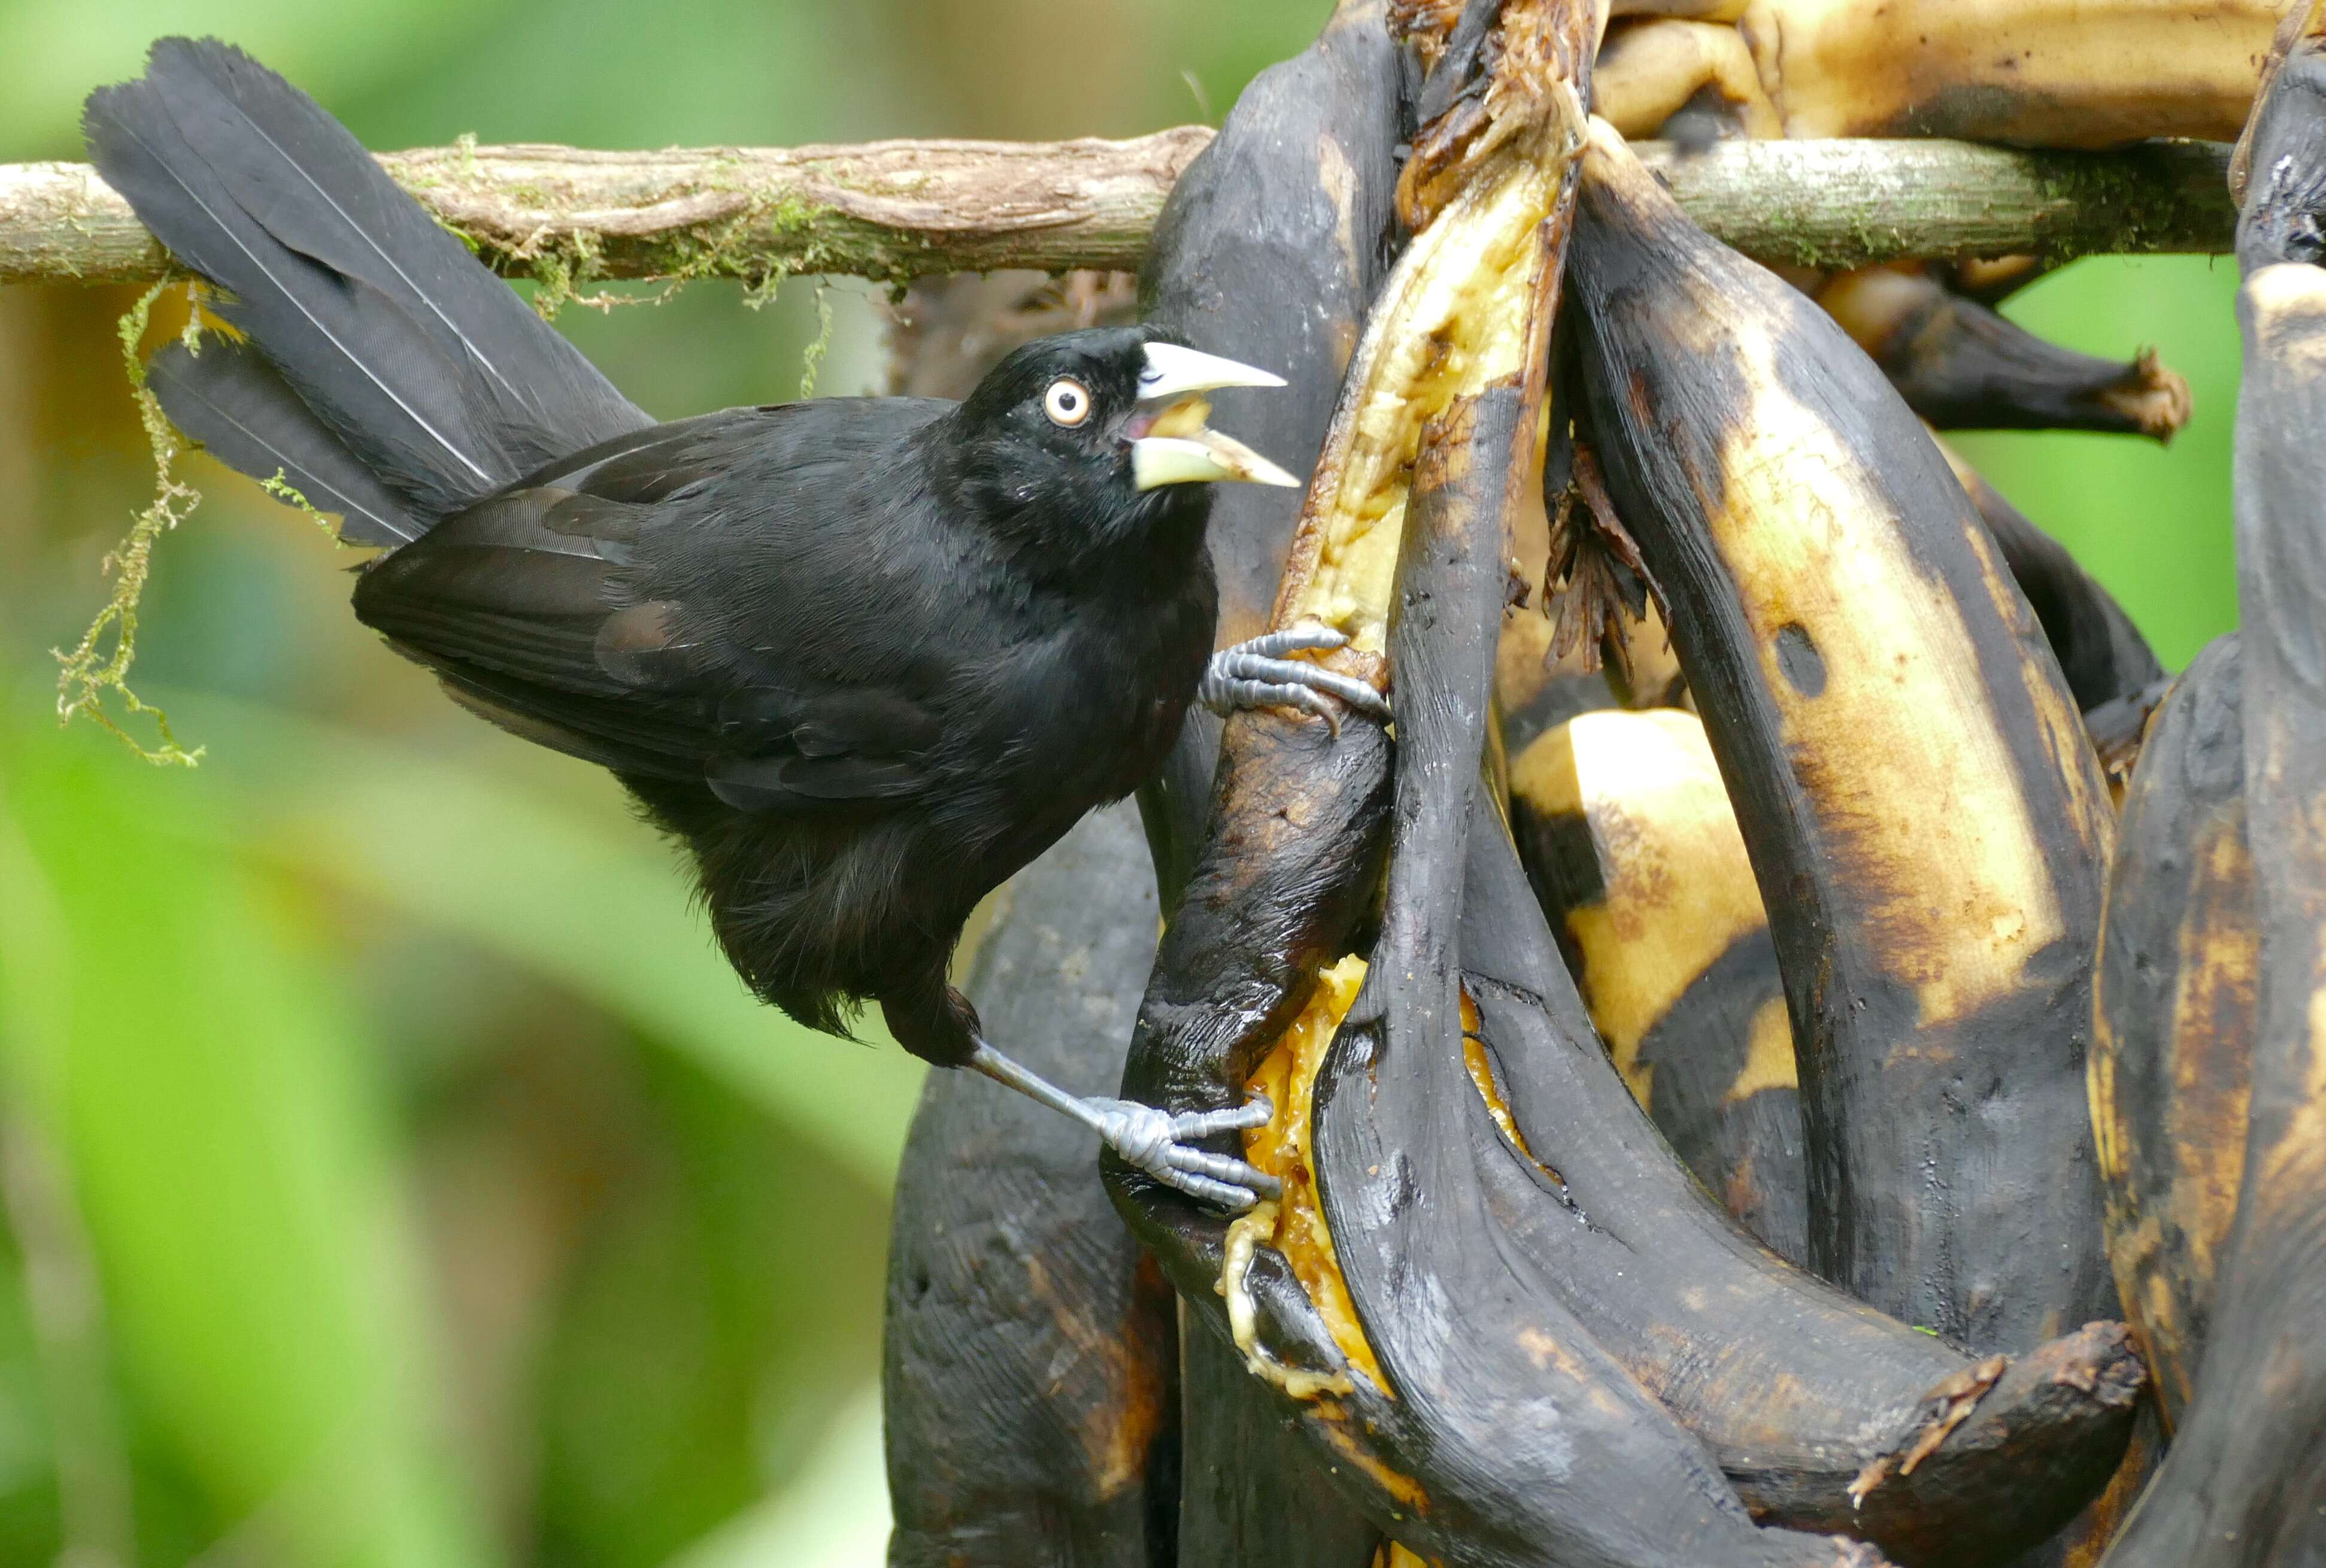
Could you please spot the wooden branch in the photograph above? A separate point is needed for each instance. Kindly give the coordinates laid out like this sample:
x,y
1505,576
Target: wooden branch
x,y
894,210
1847,203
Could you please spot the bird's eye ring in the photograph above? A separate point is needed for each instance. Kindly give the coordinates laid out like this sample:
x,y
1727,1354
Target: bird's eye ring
x,y
1067,403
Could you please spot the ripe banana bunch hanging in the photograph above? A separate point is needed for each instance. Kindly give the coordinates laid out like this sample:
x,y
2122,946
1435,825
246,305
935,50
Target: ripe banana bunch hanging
x,y
1790,1049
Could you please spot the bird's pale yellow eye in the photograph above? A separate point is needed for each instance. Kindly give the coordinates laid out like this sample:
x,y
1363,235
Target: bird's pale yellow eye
x,y
1067,403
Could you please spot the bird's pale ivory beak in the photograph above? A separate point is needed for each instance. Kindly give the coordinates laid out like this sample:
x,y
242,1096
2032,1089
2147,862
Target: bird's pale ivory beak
x,y
1176,447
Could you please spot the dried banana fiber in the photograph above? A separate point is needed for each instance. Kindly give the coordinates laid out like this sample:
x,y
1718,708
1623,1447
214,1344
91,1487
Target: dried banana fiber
x,y
1962,366
2173,1052
1926,818
1625,828
1030,1358
2245,1481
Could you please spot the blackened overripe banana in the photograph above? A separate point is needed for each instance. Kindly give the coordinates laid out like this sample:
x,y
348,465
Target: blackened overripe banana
x,y
1538,1448
1925,816
1962,366
2245,1481
1823,1414
1812,1402
2172,1050
1626,833
1251,1492
1271,246
1029,1361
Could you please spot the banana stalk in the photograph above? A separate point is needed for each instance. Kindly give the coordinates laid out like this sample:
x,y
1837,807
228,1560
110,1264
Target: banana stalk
x,y
2173,1049
1925,816
2244,1481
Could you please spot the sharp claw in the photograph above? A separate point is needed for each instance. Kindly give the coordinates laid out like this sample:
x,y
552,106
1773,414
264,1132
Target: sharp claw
x,y
1308,701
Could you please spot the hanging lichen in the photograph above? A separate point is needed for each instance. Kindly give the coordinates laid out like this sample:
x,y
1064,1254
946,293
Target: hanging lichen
x,y
812,364
99,665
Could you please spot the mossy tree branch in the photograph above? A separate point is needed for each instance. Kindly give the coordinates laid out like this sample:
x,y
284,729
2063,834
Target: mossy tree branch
x,y
894,210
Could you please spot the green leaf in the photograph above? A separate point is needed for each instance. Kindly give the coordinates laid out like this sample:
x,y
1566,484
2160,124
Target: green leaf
x,y
592,901
229,1160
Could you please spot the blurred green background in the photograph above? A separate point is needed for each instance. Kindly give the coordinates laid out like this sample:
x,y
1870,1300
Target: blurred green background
x,y
392,1172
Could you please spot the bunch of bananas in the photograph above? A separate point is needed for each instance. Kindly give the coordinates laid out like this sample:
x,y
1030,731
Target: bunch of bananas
x,y
1792,1038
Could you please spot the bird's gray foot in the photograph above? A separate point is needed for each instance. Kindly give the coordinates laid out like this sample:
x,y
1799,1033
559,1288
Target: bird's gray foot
x,y
1162,1144
1257,674
1158,1142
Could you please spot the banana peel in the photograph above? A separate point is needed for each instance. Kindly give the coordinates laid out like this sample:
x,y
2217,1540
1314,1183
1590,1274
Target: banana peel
x,y
2245,1481
2172,1050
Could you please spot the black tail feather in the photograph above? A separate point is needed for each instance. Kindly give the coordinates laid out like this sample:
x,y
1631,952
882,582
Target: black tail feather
x,y
426,366
230,398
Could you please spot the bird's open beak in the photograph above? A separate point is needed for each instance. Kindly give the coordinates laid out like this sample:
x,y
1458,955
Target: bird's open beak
x,y
1173,445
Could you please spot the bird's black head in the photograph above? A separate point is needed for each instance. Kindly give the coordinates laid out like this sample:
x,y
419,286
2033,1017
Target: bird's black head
x,y
1096,439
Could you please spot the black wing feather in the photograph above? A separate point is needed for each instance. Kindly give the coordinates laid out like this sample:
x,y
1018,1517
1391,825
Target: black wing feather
x,y
232,400
538,607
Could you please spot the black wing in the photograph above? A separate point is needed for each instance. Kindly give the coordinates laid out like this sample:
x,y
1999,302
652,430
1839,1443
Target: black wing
x,y
604,609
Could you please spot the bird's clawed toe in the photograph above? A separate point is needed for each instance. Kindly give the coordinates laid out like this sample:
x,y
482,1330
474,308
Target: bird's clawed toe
x,y
1151,1140
1257,674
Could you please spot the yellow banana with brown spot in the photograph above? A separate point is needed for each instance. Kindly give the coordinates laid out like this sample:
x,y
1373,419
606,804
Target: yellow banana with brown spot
x,y
1629,840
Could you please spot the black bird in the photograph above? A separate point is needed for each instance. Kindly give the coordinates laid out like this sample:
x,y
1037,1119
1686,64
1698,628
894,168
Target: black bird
x,y
864,657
